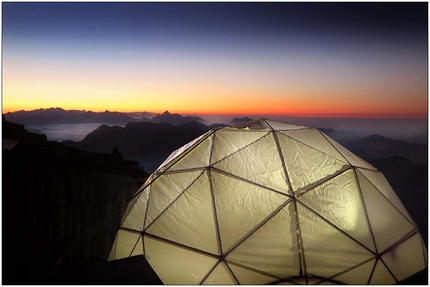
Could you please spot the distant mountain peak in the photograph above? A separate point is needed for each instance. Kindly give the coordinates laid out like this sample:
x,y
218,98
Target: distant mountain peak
x,y
175,119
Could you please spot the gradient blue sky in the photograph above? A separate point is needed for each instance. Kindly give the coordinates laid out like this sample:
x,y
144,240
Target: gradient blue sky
x,y
322,59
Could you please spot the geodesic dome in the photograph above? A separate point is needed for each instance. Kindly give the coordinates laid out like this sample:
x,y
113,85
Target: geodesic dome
x,y
267,202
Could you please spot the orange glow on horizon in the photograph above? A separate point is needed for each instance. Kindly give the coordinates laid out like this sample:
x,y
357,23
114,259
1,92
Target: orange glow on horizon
x,y
203,99
224,97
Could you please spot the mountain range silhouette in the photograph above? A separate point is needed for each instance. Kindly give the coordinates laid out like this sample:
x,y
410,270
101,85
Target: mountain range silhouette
x,y
60,116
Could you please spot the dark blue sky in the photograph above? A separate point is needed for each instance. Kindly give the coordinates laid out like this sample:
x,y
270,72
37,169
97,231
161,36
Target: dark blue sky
x,y
288,51
361,19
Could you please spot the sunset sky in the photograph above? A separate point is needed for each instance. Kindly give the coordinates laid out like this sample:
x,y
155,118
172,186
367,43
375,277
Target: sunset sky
x,y
336,59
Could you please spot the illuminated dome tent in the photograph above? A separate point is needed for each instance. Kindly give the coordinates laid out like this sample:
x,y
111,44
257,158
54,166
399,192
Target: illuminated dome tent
x,y
267,202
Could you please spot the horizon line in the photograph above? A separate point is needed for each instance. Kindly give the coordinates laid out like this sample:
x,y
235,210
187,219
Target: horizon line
x,y
243,114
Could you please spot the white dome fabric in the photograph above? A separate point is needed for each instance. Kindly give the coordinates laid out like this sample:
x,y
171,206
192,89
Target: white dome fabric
x,y
266,202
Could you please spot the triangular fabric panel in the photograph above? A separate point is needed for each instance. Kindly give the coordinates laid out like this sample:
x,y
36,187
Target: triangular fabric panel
x,y
259,162
190,220
349,156
173,156
381,183
280,126
239,199
166,189
168,262
381,275
199,156
128,241
387,226
338,200
326,250
247,276
357,276
304,164
314,139
220,275
133,201
136,216
227,142
405,258
276,255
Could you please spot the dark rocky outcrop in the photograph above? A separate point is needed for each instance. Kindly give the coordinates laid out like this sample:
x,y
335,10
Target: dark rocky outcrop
x,y
61,206
148,143
17,132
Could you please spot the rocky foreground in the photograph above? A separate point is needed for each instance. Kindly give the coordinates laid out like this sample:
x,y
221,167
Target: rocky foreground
x,y
61,206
